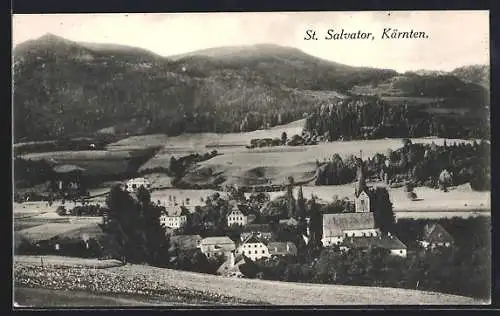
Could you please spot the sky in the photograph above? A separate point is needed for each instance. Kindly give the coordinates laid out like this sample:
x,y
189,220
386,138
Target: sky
x,y
455,38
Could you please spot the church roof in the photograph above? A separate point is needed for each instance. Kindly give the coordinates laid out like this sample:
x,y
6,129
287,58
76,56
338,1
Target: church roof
x,y
335,224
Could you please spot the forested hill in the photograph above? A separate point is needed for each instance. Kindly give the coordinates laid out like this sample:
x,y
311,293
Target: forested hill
x,y
69,89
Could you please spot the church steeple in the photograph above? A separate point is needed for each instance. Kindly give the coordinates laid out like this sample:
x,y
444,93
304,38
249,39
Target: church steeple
x,y
361,185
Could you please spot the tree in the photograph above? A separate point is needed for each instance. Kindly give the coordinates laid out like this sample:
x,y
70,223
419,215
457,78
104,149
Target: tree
x,y
134,228
284,138
382,210
301,204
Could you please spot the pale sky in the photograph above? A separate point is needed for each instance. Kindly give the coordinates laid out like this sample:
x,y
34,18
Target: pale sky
x,y
456,38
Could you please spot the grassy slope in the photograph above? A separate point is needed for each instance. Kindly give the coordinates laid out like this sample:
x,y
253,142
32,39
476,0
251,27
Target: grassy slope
x,y
282,293
28,297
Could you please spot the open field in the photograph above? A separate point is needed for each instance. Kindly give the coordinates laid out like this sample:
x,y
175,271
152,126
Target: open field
x,y
69,230
275,164
146,280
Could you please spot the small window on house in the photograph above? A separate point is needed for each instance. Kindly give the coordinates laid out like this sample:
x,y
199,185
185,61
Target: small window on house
x,y
364,234
347,235
255,251
263,251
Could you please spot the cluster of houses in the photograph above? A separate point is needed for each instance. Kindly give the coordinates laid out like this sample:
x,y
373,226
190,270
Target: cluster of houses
x,y
354,230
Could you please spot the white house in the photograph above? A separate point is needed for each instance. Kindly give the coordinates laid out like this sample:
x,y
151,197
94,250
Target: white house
x,y
133,185
237,216
254,248
173,217
436,236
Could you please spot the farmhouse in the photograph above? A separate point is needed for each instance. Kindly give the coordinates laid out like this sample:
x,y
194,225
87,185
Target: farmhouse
x,y
216,246
391,243
173,217
133,185
281,249
435,236
186,242
254,248
262,231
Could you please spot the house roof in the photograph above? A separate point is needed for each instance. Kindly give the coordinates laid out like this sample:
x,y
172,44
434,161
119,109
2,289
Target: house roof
x,y
335,224
390,242
262,228
221,240
238,209
280,248
186,241
253,239
435,233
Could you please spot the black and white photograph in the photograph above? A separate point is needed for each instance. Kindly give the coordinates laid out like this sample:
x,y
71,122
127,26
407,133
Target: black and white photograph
x,y
251,159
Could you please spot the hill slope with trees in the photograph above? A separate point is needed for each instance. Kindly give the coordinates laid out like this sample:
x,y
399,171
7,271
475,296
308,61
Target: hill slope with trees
x,y
69,89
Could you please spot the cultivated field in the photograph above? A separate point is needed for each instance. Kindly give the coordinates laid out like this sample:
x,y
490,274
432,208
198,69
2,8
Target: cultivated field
x,y
64,230
271,292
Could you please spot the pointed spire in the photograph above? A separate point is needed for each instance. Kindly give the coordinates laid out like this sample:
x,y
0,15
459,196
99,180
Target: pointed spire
x,y
361,185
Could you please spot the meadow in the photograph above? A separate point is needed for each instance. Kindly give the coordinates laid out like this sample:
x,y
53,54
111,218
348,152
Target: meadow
x,y
146,279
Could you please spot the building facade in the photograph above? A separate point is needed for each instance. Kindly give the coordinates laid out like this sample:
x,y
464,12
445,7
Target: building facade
x,y
133,185
173,217
254,248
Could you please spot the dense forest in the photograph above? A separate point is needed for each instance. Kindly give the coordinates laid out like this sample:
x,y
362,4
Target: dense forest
x,y
372,117
67,89
417,163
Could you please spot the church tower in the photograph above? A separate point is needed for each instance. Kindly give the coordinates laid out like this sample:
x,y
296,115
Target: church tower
x,y
362,199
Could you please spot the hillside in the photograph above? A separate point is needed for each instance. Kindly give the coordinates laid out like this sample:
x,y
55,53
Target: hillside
x,y
70,89
479,74
149,280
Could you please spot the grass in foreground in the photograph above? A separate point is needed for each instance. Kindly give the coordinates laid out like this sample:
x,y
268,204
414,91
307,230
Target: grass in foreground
x,y
195,288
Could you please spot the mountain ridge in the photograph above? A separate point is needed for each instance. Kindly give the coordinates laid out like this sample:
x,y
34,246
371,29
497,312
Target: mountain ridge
x,y
64,88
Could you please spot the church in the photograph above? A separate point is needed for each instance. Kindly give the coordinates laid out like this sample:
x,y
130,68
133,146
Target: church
x,y
361,223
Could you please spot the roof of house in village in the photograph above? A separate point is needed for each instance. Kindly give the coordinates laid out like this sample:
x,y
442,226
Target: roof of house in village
x,y
67,168
335,224
262,228
237,207
435,233
186,241
253,239
222,241
388,242
280,248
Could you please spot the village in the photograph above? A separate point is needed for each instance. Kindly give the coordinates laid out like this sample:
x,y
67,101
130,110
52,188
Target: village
x,y
251,232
